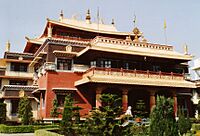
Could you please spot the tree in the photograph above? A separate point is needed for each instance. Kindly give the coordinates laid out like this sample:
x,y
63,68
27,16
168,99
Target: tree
x,y
162,118
25,110
69,113
54,111
184,124
102,121
2,112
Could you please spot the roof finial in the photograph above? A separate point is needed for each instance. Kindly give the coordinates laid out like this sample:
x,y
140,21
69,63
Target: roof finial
x,y
185,49
88,21
61,16
113,22
49,31
8,46
136,32
134,20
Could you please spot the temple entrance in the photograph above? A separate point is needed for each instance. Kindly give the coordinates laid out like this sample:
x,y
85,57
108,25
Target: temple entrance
x,y
139,101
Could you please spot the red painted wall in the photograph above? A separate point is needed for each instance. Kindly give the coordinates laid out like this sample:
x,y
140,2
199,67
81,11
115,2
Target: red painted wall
x,y
62,80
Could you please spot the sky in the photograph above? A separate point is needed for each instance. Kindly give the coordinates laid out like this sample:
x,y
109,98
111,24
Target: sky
x,y
20,18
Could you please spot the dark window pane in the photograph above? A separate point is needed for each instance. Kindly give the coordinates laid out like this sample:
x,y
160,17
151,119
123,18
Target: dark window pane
x,y
17,82
21,67
61,100
14,109
64,64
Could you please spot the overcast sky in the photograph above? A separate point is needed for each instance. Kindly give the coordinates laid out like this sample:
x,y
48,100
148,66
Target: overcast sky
x,y
20,18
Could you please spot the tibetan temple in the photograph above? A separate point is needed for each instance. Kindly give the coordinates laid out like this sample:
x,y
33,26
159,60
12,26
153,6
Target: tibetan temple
x,y
87,59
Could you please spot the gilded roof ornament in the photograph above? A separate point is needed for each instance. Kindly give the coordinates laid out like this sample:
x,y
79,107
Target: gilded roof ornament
x,y
61,16
88,17
8,46
128,38
136,31
143,39
113,22
61,13
185,49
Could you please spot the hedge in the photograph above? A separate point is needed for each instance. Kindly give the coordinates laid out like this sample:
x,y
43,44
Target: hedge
x,y
2,112
23,129
46,132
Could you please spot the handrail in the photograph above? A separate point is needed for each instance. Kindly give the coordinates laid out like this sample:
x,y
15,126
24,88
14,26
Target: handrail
x,y
110,71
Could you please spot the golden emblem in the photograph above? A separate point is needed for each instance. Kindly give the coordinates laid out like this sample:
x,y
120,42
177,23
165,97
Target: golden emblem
x,y
21,93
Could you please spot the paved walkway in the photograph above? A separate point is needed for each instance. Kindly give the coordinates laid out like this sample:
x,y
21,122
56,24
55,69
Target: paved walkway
x,y
18,134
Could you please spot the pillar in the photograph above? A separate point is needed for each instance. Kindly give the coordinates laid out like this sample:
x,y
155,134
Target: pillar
x,y
98,96
8,108
175,104
124,100
152,100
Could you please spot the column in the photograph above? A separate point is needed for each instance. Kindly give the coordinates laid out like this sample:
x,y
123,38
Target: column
x,y
98,96
8,108
152,100
175,104
124,100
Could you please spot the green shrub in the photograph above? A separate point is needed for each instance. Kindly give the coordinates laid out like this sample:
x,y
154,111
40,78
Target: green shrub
x,y
16,129
195,127
46,132
44,127
140,130
2,112
23,129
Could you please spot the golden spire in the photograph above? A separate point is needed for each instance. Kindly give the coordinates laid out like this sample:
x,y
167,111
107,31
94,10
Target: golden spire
x,y
61,16
88,17
113,22
8,46
136,32
185,49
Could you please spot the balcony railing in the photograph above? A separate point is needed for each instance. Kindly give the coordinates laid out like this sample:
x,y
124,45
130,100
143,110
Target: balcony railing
x,y
18,74
133,73
79,68
50,66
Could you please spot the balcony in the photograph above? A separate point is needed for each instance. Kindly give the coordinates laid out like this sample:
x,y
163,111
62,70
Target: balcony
x,y
79,68
19,74
134,77
50,66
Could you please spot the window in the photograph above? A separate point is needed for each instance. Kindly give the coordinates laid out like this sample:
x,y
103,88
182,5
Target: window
x,y
21,67
129,65
156,68
126,65
17,82
64,64
105,63
43,100
93,63
61,100
14,104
